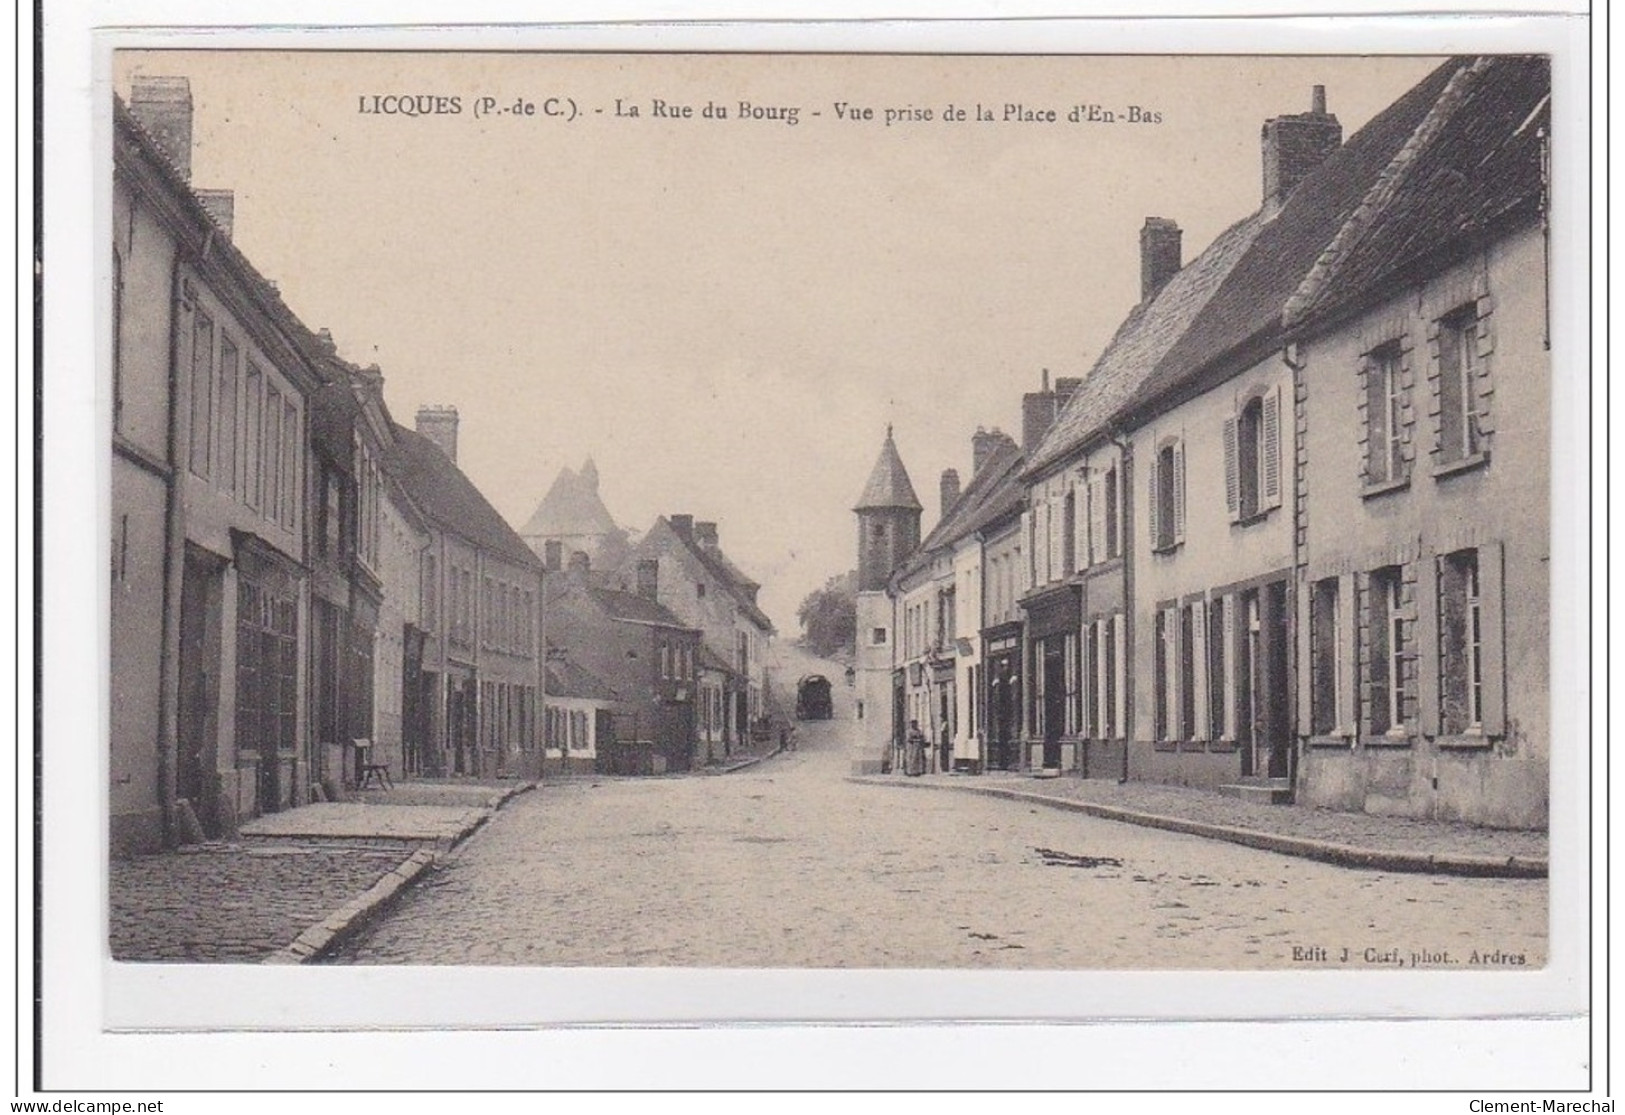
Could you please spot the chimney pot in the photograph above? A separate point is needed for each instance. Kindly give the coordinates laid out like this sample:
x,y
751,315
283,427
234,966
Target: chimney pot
x,y
163,107
1161,254
439,425
950,489
1317,100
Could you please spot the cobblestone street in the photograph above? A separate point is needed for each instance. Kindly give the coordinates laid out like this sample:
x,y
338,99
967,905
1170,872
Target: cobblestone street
x,y
789,864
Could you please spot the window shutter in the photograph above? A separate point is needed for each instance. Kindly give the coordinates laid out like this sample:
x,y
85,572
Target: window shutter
x,y
1347,653
1179,492
1228,729
1232,470
1484,386
1057,541
1027,534
1427,641
1176,691
1119,714
1097,520
1199,678
1270,448
1153,504
1492,648
1308,634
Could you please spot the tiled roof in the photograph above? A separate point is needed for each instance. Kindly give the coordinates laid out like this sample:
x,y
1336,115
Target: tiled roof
x,y
450,499
1246,310
571,506
1472,168
634,608
888,485
569,679
727,574
1145,336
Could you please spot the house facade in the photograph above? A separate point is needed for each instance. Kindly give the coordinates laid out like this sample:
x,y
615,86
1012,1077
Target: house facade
x,y
1424,381
208,537
644,654
481,615
694,578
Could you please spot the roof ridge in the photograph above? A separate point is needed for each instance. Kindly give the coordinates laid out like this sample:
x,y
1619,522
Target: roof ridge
x,y
1381,192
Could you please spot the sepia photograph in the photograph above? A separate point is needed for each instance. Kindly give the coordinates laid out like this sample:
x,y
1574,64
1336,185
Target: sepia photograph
x,y
744,511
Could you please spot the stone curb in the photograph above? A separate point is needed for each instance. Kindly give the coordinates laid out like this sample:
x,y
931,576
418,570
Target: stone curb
x,y
341,924
1343,855
327,934
748,762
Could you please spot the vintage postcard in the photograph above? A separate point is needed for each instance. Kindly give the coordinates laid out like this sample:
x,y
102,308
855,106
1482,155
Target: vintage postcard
x,y
1068,514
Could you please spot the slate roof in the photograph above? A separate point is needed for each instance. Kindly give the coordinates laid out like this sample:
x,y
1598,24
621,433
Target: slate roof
x,y
450,499
1145,336
571,506
1472,169
569,679
1244,316
632,608
889,485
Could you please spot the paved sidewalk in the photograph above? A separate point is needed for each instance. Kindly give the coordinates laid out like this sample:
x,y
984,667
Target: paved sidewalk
x,y
228,902
297,882
1355,839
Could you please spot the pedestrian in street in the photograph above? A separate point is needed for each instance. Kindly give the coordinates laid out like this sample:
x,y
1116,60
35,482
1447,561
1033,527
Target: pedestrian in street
x,y
914,751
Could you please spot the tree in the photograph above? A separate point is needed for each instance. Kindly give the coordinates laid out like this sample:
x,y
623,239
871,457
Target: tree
x,y
829,616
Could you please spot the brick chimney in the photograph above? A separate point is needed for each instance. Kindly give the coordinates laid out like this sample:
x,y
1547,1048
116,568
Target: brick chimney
x,y
950,489
163,107
1161,243
1295,145
553,554
1038,410
1065,388
220,206
683,525
706,535
984,443
439,425
649,578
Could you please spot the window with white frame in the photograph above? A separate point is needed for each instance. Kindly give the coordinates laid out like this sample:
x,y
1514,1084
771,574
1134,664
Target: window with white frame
x,y
1385,656
1460,384
1387,416
1252,456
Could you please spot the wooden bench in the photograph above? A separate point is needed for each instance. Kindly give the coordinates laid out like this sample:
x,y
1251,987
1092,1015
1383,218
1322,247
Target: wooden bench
x,y
371,774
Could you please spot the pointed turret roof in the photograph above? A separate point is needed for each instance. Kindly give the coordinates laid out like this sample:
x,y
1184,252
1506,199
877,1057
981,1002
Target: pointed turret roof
x,y
889,486
572,506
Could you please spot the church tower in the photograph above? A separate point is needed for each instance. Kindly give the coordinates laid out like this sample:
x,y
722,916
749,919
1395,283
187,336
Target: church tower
x,y
888,519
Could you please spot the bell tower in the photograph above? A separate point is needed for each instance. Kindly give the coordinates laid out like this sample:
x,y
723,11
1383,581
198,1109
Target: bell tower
x,y
888,519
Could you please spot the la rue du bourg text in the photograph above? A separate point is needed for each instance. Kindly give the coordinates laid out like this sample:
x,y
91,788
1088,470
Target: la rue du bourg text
x,y
660,108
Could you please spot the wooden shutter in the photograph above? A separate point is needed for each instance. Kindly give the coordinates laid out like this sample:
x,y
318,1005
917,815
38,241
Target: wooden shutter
x,y
1309,636
1199,679
1492,629
1428,659
1119,717
1179,492
1228,729
1153,504
1232,470
1348,624
1484,385
1270,449
1097,520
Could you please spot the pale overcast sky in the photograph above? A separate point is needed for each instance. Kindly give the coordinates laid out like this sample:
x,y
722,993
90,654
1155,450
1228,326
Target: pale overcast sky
x,y
726,314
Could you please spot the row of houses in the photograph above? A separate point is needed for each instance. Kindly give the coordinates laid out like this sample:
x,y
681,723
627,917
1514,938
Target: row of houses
x,y
1289,534
657,650
300,586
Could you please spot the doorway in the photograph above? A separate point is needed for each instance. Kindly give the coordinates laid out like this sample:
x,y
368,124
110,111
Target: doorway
x,y
1264,696
1054,652
202,583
